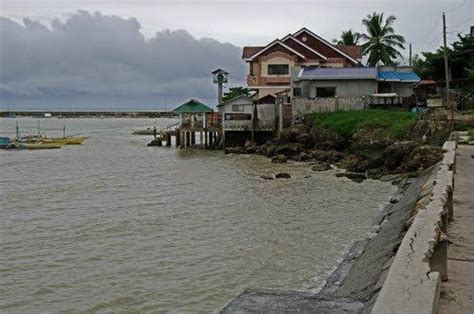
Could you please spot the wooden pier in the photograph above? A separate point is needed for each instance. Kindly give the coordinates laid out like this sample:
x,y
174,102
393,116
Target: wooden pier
x,y
199,126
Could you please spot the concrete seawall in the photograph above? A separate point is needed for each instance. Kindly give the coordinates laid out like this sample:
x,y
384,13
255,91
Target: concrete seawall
x,y
353,287
413,281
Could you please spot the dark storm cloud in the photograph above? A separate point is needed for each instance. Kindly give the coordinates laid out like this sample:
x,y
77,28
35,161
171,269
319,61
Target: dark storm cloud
x,y
106,57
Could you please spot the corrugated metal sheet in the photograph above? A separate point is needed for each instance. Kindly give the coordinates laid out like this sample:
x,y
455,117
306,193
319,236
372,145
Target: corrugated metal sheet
x,y
392,76
409,77
193,106
312,73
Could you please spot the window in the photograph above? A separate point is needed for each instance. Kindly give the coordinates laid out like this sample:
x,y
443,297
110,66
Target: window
x,y
297,92
278,69
325,91
237,108
384,87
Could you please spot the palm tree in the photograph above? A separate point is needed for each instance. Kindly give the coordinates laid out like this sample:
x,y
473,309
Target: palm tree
x,y
382,42
348,38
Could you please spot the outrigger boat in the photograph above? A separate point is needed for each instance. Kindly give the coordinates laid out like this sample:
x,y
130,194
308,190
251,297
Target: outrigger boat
x,y
147,131
39,141
64,140
40,145
7,143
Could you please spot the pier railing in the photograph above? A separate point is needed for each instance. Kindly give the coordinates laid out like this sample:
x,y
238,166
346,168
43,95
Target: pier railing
x,y
413,281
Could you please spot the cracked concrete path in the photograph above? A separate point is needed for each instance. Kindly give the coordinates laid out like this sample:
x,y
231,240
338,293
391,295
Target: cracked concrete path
x,y
457,294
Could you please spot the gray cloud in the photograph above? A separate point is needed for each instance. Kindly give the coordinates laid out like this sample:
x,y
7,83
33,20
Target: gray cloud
x,y
94,59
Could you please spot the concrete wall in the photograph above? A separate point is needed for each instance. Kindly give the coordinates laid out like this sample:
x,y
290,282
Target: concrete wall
x,y
302,106
266,114
246,102
344,88
413,281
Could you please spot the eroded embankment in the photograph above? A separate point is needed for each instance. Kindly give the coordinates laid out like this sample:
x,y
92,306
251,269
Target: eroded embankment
x,y
371,144
353,286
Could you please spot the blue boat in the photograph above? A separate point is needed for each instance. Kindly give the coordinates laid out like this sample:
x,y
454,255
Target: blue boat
x,y
6,143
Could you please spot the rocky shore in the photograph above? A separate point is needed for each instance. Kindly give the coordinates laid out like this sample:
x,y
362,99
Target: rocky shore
x,y
366,154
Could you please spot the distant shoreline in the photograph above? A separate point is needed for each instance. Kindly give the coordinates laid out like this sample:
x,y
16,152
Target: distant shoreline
x,y
87,114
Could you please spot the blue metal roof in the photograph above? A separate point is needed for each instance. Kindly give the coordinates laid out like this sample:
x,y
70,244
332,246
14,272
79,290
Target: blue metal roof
x,y
392,76
409,77
313,73
388,76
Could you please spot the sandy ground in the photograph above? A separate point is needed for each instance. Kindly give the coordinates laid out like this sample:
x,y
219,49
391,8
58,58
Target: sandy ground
x,y
457,294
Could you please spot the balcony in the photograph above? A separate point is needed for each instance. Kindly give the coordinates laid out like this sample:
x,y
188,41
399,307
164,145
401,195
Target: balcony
x,y
253,80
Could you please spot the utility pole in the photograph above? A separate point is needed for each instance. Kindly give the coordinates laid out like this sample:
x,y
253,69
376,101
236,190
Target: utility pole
x,y
409,55
446,68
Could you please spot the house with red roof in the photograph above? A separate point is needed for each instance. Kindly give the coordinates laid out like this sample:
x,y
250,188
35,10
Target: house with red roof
x,y
270,66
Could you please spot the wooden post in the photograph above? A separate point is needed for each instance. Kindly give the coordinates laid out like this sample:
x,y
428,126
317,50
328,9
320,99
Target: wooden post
x,y
168,139
201,140
193,138
187,141
178,137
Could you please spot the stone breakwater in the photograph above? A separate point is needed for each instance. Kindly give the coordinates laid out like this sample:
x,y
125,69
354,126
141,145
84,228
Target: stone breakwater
x,y
354,286
413,281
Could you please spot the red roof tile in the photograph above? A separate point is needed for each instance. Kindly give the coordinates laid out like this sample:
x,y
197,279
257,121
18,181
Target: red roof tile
x,y
250,51
354,52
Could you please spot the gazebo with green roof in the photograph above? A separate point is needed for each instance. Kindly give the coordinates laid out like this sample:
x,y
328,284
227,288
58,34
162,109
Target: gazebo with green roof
x,y
194,116
193,106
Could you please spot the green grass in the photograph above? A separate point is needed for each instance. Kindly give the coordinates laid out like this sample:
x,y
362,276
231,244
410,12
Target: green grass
x,y
388,123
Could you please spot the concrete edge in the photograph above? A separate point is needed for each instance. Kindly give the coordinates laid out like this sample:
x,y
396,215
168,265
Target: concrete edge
x,y
413,281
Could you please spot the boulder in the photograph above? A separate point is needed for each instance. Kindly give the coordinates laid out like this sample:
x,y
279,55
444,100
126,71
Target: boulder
x,y
289,149
155,143
250,147
234,150
354,163
376,173
321,166
327,155
395,153
267,150
265,177
304,138
279,159
283,175
422,157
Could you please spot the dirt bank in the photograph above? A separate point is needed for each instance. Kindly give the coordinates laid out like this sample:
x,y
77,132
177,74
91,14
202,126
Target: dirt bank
x,y
373,148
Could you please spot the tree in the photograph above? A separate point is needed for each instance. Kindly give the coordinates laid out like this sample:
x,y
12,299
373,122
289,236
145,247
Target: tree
x,y
430,65
348,38
381,40
234,92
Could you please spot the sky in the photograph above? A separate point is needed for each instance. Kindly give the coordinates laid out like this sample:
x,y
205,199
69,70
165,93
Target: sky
x,y
145,53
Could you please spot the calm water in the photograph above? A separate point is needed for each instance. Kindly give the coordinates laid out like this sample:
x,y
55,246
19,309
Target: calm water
x,y
115,226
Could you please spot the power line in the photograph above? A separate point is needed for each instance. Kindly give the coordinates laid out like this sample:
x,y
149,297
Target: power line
x,y
462,4
463,23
